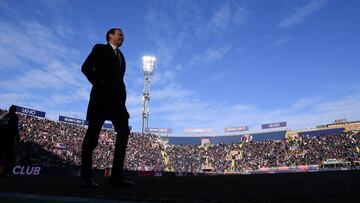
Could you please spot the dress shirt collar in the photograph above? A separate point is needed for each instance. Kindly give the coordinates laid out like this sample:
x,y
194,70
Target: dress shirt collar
x,y
113,46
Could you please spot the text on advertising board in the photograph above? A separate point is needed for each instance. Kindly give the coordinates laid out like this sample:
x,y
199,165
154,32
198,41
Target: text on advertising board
x,y
273,125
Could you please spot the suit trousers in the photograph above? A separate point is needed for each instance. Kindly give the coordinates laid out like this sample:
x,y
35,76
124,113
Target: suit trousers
x,y
91,140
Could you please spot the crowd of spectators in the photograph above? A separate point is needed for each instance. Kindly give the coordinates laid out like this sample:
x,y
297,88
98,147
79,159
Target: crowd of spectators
x,y
54,143
64,140
239,157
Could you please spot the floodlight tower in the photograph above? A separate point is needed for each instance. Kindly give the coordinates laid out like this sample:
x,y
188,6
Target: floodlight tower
x,y
148,69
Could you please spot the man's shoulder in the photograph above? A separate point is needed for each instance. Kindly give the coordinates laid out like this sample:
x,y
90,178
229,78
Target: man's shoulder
x,y
100,46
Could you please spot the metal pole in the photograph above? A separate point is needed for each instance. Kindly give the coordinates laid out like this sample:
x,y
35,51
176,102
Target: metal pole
x,y
145,104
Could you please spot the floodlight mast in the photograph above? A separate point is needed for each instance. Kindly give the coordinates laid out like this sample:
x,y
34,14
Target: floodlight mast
x,y
148,69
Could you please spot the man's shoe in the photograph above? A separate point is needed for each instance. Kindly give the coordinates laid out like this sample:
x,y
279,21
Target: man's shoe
x,y
121,182
88,183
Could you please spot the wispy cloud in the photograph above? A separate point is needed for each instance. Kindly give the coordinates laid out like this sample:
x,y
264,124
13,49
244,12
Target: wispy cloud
x,y
46,79
39,67
172,91
8,60
220,20
302,13
281,41
32,41
211,54
241,15
7,99
187,111
216,78
161,31
226,17
305,103
63,97
271,45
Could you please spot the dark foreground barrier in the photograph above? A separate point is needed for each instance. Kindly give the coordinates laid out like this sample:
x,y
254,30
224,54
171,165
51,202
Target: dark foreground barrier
x,y
324,187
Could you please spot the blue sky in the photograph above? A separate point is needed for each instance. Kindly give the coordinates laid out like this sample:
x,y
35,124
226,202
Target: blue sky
x,y
219,63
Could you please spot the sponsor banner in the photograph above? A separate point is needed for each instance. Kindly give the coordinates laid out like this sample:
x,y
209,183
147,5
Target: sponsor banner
x,y
108,126
38,170
343,120
23,170
198,130
158,130
73,120
273,125
236,129
30,112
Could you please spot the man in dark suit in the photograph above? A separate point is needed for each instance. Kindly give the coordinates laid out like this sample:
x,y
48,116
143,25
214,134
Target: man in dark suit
x,y
105,69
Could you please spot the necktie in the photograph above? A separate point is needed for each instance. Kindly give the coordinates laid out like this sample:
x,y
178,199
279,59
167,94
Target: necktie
x,y
118,54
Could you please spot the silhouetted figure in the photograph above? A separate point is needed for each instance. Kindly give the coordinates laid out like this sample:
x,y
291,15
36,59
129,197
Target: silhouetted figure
x,y
105,68
9,137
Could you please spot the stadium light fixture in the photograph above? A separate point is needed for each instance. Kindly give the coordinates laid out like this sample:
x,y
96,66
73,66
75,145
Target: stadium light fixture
x,y
148,65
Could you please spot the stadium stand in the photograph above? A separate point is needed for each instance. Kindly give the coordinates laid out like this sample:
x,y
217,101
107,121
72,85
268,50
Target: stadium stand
x,y
43,139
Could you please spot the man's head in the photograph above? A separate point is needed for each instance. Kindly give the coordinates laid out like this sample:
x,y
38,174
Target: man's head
x,y
115,36
12,109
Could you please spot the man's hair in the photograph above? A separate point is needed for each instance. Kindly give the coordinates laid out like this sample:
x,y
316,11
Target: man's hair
x,y
111,31
12,109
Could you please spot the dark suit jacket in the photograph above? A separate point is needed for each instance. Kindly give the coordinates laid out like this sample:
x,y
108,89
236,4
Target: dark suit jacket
x,y
106,72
